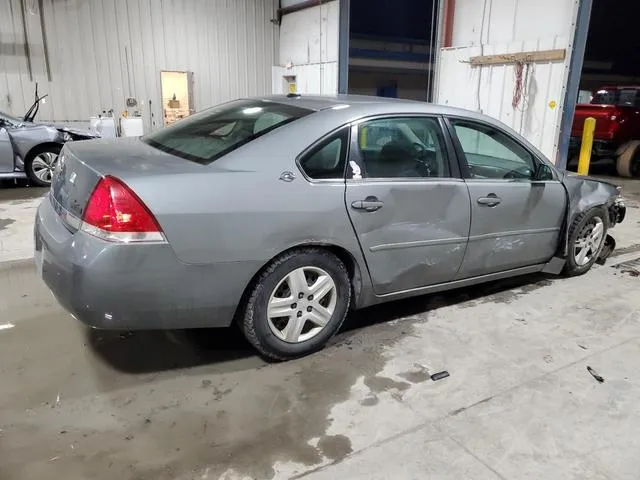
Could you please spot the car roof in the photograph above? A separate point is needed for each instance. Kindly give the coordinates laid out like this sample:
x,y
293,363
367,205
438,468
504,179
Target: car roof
x,y
363,102
354,106
360,106
343,109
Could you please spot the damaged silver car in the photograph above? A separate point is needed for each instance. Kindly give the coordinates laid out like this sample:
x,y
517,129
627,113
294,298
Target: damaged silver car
x,y
30,150
286,212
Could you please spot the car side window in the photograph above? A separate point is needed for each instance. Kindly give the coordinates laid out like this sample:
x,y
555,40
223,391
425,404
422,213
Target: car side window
x,y
402,147
492,154
326,160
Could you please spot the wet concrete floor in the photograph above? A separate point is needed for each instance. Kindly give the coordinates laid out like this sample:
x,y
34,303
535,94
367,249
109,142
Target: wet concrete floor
x,y
519,402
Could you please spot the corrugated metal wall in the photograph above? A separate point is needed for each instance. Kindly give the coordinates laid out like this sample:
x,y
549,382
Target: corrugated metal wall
x,y
103,51
509,27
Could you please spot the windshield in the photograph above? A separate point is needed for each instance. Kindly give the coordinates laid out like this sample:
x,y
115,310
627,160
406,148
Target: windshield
x,y
624,97
212,133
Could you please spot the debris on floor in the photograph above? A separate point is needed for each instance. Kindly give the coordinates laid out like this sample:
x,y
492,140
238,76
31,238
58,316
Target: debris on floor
x,y
631,268
439,376
595,375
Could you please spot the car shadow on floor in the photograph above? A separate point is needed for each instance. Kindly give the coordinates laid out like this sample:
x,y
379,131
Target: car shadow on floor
x,y
142,352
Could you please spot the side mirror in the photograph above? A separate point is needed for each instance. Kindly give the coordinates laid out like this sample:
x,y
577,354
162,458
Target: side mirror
x,y
543,173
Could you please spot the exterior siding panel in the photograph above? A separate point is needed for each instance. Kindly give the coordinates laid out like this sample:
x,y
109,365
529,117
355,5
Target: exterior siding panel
x,y
510,27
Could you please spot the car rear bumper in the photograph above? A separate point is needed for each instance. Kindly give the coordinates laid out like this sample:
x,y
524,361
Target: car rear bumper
x,y
133,286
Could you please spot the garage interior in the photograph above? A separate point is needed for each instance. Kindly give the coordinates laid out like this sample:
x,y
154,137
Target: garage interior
x,y
391,50
541,371
612,55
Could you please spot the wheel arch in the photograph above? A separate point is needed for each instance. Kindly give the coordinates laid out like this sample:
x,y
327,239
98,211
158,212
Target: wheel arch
x,y
353,268
572,214
39,148
583,194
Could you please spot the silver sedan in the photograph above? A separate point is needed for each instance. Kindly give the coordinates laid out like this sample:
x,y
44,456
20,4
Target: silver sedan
x,y
283,213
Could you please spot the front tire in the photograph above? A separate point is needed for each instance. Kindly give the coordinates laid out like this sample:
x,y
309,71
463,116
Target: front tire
x,y
41,163
297,304
586,238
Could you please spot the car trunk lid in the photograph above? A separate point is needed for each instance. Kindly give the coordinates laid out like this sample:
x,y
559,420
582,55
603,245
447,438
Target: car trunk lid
x,y
82,164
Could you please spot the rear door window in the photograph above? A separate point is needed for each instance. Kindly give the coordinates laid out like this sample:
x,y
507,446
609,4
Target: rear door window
x,y
212,133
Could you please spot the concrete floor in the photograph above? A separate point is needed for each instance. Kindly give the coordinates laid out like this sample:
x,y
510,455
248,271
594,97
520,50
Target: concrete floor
x,y
519,402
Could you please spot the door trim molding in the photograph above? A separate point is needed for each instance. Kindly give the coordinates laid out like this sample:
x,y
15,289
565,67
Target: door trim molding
x,y
513,233
419,243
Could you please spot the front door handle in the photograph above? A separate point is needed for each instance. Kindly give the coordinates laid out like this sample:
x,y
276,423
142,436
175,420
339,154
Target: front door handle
x,y
490,200
369,204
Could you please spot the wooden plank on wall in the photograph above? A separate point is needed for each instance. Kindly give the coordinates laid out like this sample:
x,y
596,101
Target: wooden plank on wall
x,y
527,57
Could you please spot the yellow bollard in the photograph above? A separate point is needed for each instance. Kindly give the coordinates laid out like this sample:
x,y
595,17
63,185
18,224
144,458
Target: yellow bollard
x,y
587,145
363,138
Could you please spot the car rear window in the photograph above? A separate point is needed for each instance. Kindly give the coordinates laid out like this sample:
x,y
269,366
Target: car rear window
x,y
212,133
627,97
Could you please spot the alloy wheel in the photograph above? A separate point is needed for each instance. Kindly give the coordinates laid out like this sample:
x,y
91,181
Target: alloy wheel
x,y
43,166
302,304
588,243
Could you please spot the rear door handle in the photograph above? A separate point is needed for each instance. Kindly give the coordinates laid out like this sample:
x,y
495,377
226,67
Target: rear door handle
x,y
369,204
490,200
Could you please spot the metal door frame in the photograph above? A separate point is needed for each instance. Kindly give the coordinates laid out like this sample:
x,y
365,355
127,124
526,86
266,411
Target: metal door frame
x,y
577,49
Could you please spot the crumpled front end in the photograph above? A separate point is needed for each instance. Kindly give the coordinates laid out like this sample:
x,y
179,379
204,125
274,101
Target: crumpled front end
x,y
617,212
584,193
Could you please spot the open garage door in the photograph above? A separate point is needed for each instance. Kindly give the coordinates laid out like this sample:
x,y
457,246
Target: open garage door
x,y
607,87
390,48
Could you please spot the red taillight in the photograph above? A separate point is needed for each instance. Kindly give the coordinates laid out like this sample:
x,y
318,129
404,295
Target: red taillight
x,y
114,212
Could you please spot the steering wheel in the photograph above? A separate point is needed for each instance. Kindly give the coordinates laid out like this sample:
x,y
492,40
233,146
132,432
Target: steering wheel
x,y
426,160
519,174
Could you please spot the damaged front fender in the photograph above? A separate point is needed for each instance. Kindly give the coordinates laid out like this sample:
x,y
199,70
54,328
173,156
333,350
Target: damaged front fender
x,y
585,193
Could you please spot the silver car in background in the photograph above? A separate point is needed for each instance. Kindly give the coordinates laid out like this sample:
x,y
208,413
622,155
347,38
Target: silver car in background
x,y
30,150
283,213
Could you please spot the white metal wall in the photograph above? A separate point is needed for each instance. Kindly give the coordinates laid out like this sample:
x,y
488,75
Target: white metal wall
x,y
309,42
509,26
103,51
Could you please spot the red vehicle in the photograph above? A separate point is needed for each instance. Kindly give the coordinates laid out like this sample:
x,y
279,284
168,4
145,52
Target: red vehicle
x,y
617,135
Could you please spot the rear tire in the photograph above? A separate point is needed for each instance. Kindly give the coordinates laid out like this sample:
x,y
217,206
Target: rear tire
x,y
282,318
587,235
41,163
628,163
